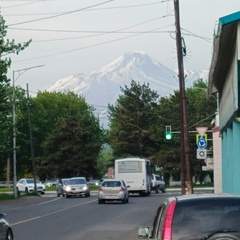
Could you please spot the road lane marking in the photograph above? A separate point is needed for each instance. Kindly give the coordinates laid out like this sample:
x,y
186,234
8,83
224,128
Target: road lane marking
x,y
51,213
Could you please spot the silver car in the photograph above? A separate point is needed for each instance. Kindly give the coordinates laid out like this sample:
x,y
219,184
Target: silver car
x,y
62,186
6,232
113,190
77,186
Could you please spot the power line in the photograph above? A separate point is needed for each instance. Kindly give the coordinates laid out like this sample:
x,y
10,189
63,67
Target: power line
x,y
61,14
96,9
99,32
86,47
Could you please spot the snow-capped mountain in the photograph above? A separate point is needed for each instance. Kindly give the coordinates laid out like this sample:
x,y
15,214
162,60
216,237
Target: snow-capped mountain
x,y
103,86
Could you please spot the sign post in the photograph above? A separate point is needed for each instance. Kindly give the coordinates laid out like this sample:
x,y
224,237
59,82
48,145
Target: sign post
x,y
201,140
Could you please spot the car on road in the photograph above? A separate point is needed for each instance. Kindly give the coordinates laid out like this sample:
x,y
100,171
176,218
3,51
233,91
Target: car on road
x,y
77,186
158,183
6,232
196,217
63,182
51,183
113,190
26,185
94,182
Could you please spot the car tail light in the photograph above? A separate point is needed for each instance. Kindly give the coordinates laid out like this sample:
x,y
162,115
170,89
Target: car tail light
x,y
100,189
121,189
167,225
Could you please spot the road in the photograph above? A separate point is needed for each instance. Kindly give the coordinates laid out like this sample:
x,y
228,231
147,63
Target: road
x,y
83,218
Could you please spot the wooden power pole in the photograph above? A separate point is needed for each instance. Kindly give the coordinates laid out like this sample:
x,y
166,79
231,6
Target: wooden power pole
x,y
185,149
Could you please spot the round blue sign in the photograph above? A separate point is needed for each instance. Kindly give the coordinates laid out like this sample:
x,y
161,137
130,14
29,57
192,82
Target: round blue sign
x,y
202,143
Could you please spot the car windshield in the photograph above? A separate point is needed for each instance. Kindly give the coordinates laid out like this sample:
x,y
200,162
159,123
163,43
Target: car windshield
x,y
111,184
198,218
77,181
32,181
65,181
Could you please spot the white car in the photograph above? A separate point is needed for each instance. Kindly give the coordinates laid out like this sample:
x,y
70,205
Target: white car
x,y
158,183
113,190
26,185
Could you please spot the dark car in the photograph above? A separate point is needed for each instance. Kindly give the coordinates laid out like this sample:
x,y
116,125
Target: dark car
x,y
6,232
196,217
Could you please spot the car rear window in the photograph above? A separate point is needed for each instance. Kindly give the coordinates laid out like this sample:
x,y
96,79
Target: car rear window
x,y
111,184
196,218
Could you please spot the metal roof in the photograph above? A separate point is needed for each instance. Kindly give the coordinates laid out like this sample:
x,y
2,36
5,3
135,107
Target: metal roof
x,y
229,18
227,30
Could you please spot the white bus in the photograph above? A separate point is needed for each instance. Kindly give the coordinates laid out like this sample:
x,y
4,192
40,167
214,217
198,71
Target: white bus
x,y
136,173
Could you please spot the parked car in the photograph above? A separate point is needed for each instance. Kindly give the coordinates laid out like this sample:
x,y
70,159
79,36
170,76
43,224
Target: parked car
x,y
51,183
196,217
77,186
94,182
113,190
6,232
27,185
62,186
158,183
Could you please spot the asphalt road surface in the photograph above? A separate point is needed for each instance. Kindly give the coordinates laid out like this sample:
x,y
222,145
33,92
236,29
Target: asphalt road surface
x,y
80,218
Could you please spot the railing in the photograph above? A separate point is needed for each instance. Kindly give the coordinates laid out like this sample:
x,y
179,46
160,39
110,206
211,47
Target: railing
x,y
6,183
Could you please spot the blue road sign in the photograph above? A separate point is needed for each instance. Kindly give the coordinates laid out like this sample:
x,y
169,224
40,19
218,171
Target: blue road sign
x,y
202,143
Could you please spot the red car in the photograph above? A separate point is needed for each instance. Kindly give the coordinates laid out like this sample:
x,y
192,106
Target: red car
x,y
196,217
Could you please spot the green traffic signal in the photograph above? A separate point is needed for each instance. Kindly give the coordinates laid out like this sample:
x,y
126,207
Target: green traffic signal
x,y
168,135
168,132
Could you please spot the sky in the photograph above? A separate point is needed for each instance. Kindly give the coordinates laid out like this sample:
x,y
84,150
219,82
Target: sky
x,y
77,36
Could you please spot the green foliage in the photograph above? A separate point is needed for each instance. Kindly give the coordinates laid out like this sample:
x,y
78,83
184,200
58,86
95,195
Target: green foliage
x,y
133,121
104,160
201,111
138,121
67,135
6,196
6,47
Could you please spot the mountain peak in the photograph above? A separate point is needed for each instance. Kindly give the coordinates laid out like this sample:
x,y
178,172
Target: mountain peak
x,y
102,87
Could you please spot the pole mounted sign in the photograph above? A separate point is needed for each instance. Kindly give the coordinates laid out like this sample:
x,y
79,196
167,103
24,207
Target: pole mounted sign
x,y
201,130
201,137
201,140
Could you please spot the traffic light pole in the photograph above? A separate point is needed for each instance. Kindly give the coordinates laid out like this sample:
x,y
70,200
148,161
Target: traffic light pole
x,y
185,153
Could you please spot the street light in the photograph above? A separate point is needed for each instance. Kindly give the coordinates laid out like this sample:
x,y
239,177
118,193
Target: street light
x,y
20,72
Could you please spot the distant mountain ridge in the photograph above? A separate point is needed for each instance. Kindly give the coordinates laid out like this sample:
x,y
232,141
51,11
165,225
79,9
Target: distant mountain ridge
x,y
102,87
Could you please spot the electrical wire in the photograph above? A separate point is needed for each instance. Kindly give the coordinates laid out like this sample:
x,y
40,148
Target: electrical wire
x,y
90,46
96,9
61,14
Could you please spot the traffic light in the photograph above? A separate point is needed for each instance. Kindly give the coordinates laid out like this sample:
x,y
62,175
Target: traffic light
x,y
168,133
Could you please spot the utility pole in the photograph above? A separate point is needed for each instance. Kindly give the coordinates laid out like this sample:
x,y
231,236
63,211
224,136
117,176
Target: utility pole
x,y
31,142
185,154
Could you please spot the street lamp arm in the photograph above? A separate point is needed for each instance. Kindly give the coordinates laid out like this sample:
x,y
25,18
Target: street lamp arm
x,y
20,72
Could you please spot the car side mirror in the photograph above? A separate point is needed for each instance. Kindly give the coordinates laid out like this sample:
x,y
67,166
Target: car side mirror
x,y
128,186
143,232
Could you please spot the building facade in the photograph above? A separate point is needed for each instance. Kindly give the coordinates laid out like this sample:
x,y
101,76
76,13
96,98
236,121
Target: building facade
x,y
224,79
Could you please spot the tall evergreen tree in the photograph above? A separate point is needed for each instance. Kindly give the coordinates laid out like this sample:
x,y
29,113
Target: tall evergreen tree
x,y
133,120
